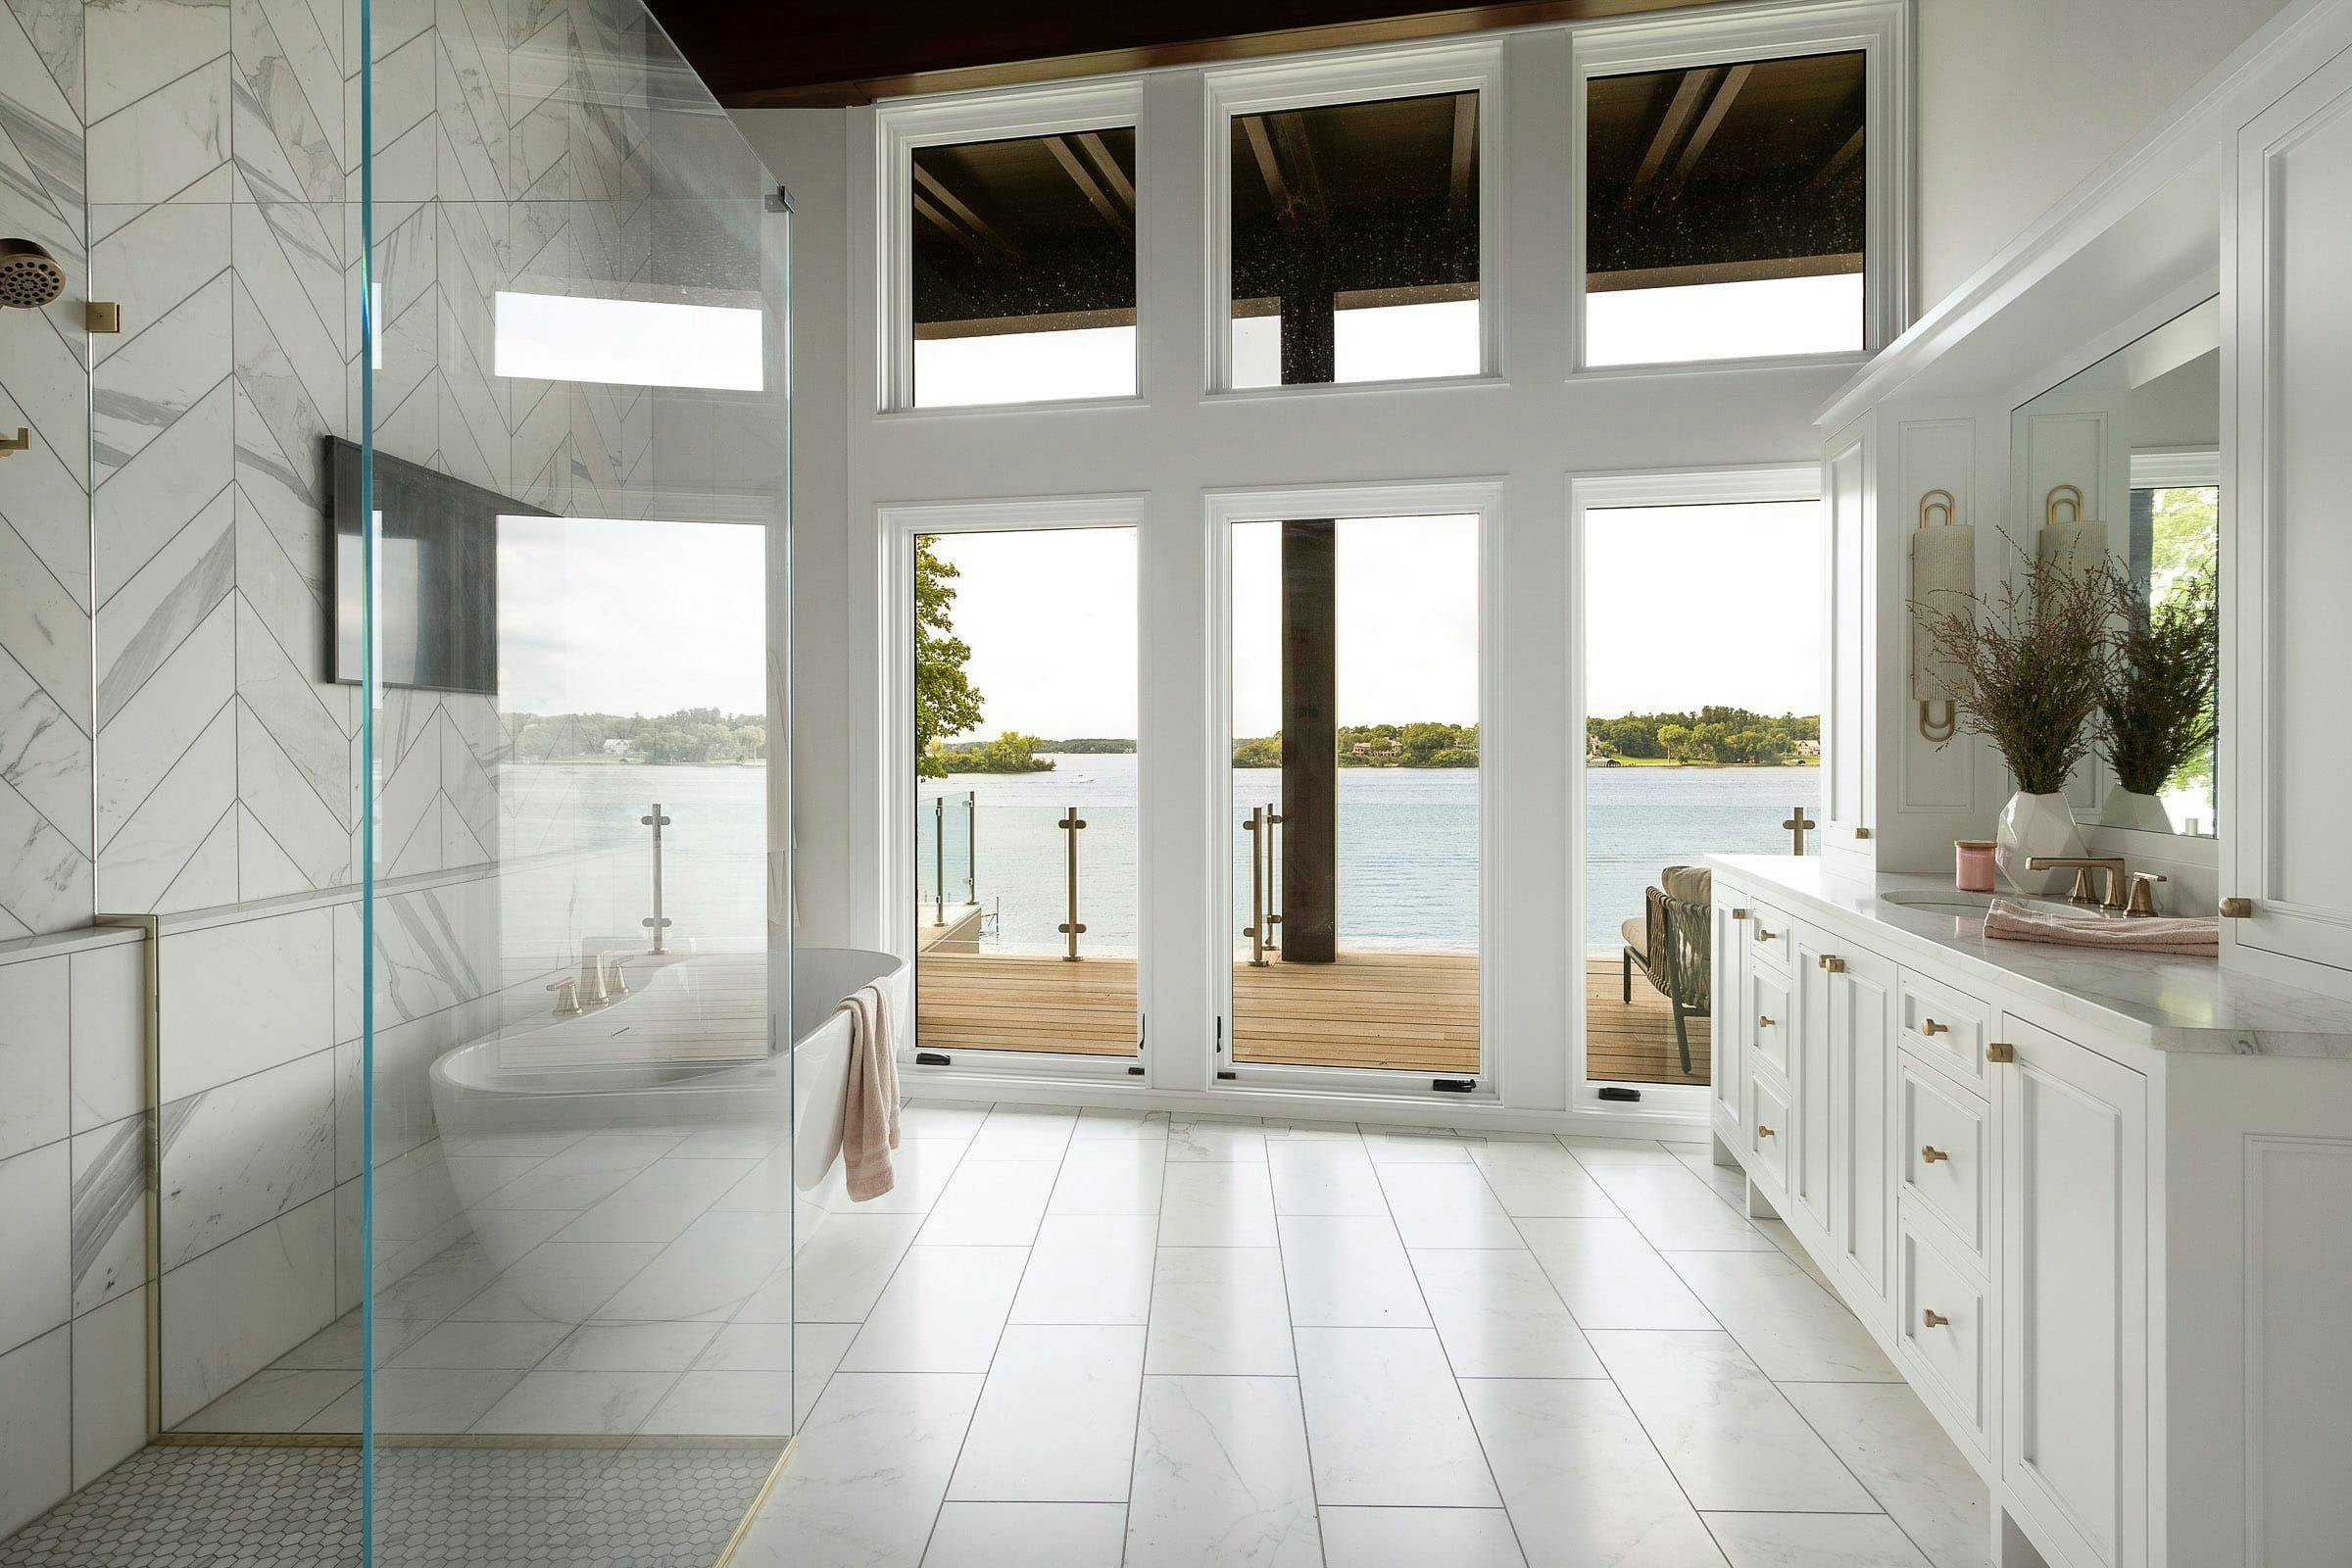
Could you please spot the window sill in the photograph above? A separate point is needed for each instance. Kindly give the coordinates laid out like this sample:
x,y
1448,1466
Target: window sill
x,y
1844,359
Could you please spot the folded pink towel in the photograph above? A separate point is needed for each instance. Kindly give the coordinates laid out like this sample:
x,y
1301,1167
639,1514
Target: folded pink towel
x,y
2196,936
870,1124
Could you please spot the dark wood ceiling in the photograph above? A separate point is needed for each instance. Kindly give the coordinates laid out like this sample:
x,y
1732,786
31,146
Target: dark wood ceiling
x,y
818,52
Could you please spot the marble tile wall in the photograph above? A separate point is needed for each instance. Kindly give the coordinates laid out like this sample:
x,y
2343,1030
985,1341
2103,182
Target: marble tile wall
x,y
73,1187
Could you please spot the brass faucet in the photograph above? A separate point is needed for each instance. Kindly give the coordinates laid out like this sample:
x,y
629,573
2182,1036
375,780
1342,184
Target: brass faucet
x,y
2084,865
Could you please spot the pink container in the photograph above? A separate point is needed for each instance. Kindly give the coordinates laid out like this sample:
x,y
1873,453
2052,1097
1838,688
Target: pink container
x,y
1972,865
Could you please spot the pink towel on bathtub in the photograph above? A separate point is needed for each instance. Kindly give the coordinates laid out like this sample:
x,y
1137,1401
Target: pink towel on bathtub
x,y
2192,936
870,1124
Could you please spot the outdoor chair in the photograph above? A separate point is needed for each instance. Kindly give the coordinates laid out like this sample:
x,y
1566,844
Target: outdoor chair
x,y
1668,943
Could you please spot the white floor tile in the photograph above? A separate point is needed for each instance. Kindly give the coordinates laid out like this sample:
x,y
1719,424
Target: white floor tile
x,y
1315,1177
1216,1204
460,1346
1307,1130
1894,1449
620,1220
1056,1418
419,1400
733,1403
1220,1312
1594,1151
1096,1124
842,1268
1676,1211
1089,1268
1384,1421
1581,1480
272,1400
1446,1205
1346,1272
1026,1535
1792,1250
631,1348
1500,1316
1410,1145
991,1203
941,1312
1610,1277
920,1169
1731,1438
867,1474
1789,1326
1540,1181
1109,1176
1730,1182
1813,1540
1416,1538
1217,1141
1022,1133
1221,1476
570,1404
560,1282
924,1118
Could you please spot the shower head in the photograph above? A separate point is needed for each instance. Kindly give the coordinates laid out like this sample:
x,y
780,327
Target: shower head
x,y
28,276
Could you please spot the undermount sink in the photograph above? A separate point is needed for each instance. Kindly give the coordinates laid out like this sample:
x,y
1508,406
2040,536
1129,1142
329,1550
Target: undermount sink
x,y
1956,902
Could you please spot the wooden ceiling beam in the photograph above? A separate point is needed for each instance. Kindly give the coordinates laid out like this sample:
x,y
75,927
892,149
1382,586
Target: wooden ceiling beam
x,y
1465,153
1114,178
924,209
1289,135
1709,123
1269,168
1840,162
1683,105
933,187
1087,185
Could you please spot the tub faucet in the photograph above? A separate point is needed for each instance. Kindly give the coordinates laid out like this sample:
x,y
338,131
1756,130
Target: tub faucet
x,y
568,997
617,979
591,980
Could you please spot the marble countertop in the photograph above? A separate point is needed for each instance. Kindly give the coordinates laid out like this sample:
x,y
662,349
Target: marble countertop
x,y
2163,1002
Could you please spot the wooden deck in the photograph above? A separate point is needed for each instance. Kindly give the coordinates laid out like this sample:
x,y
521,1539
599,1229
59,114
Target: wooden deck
x,y
1417,1012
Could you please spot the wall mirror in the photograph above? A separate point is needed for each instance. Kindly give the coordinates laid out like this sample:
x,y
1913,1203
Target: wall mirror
x,y
2123,461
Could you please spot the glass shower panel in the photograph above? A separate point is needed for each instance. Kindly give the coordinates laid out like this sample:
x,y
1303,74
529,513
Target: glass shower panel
x,y
571,1232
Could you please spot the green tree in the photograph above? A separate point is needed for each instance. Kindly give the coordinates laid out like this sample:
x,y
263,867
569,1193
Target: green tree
x,y
946,702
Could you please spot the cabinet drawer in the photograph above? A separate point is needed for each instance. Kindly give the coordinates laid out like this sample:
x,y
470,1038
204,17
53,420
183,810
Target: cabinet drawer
x,y
1771,937
1942,1150
1769,1131
1767,1020
1945,1026
1941,1332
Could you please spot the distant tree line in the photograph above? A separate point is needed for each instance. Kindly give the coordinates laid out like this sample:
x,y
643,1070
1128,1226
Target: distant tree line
x,y
1426,744
1708,736
1009,753
692,735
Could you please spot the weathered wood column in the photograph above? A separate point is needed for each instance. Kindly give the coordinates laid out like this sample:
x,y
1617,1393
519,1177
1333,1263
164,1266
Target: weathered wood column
x,y
1310,670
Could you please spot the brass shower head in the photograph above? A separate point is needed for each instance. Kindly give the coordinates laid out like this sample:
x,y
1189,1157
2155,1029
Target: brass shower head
x,y
28,276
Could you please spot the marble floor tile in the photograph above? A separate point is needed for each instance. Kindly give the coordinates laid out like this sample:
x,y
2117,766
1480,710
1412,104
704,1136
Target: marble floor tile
x,y
1789,1326
1311,1130
1781,1236
1020,1132
1446,1205
1813,1540
1594,1151
1109,1176
560,1282
1216,1141
1025,1534
1097,1124
631,1348
868,1473
942,1311
1896,1450
1417,1537
1580,1478
1314,1177
620,1220
272,1400
1676,1211
1221,1476
1216,1204
1610,1277
458,1346
843,1267
1731,1438
1499,1316
1089,1268
1384,1421
419,1400
1056,1418
1540,1181
1219,1311
941,1119
1345,1272
572,1404
991,1203
733,1403
336,1347
1410,1145
1729,1180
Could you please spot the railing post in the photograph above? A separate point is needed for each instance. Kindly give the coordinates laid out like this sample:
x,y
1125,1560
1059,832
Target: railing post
x,y
939,860
660,923
1071,824
1273,877
1255,930
971,847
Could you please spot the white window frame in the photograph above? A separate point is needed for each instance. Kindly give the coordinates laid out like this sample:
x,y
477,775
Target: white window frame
x,y
1472,64
899,129
1882,30
1608,492
895,536
1480,498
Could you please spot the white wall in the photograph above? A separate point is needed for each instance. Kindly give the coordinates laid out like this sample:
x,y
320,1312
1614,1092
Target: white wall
x,y
2020,99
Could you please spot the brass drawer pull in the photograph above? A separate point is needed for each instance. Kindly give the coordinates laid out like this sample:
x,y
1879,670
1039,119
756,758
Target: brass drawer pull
x,y
1738,914
1833,963
1931,1154
1763,1022
1930,1027
1763,1131
2001,1050
1932,1318
1763,935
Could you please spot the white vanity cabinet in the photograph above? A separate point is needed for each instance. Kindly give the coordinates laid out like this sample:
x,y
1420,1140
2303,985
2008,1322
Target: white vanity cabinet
x,y
2096,1210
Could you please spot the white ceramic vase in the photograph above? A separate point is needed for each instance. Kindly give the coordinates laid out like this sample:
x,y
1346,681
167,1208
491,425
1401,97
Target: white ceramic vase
x,y
2131,808
2031,825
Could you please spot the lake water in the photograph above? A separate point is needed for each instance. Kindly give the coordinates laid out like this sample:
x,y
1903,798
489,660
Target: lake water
x,y
1408,845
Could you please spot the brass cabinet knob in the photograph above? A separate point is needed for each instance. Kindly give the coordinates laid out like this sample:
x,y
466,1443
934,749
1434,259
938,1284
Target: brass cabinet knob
x,y
1932,1318
1861,832
2238,909
1932,1027
2001,1050
1763,1022
1931,1154
1763,935
1763,1131
1833,963
1738,914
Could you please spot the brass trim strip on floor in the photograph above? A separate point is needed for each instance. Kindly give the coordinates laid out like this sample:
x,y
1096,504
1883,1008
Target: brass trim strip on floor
x,y
743,1527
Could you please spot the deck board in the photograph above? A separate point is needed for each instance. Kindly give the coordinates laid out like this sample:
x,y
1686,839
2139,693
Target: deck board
x,y
1413,1011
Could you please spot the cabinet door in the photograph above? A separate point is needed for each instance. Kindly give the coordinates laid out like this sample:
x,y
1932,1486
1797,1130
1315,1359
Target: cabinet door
x,y
1728,951
1812,1155
2074,1295
1862,1182
2286,552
